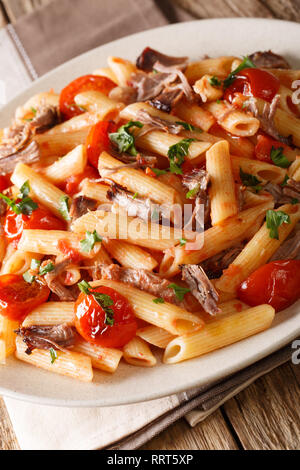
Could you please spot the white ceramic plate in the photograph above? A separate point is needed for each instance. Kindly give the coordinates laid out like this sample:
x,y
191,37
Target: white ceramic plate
x,y
132,384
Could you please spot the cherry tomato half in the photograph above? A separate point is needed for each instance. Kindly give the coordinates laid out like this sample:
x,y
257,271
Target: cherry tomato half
x,y
254,82
264,146
41,218
71,184
276,283
4,182
90,319
67,105
18,298
98,140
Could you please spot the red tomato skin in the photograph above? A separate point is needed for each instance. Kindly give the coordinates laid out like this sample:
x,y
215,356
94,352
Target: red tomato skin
x,y
264,146
41,219
18,298
66,249
98,140
89,320
4,182
276,283
67,106
72,183
254,82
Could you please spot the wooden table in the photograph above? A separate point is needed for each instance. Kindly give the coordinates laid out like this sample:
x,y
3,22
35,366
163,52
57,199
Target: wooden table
x,y
267,414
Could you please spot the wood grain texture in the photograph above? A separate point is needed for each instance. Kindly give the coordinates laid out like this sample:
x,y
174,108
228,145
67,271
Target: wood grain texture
x,y
225,8
284,9
211,434
8,440
17,8
266,415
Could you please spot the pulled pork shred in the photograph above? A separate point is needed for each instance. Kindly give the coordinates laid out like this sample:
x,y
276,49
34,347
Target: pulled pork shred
x,y
201,287
197,181
47,336
149,57
284,194
141,279
269,60
215,265
138,161
64,294
81,205
156,122
290,248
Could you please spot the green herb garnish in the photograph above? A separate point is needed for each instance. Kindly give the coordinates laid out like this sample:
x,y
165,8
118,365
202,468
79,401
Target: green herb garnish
x,y
53,355
193,192
26,205
245,64
250,181
105,301
46,269
182,241
158,172
123,138
64,207
284,182
179,291
159,300
88,243
35,264
279,158
135,195
274,219
214,81
28,277
176,154
188,127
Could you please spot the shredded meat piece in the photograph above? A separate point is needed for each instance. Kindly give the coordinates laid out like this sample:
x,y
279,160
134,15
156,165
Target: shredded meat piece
x,y
148,86
138,161
269,60
285,194
81,205
215,265
142,279
197,181
64,293
149,57
201,287
46,117
28,155
266,118
290,248
156,122
47,336
184,84
123,94
167,99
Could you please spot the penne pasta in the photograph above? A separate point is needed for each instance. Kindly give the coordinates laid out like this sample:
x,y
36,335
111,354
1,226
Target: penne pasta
x,y
138,353
106,359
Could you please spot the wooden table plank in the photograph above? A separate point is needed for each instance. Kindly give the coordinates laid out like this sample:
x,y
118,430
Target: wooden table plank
x,y
18,8
284,9
225,8
266,415
8,440
211,434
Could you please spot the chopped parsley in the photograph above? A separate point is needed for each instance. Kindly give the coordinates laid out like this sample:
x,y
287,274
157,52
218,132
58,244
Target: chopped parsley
x,y
188,127
182,241
274,219
214,81
284,182
64,207
250,181
26,205
245,64
46,269
88,243
159,300
179,291
53,355
279,158
35,264
36,269
135,195
176,154
123,138
105,301
193,192
33,110
158,172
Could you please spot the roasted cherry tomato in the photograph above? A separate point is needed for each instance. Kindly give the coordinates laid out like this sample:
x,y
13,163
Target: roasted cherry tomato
x,y
71,184
264,146
4,182
67,105
41,218
18,298
276,283
98,140
254,82
90,319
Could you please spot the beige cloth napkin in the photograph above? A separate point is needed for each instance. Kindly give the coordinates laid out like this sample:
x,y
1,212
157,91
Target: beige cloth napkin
x,y
28,49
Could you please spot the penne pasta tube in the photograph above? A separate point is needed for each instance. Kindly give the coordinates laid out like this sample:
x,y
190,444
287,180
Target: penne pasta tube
x,y
222,189
262,170
286,76
71,164
220,333
155,335
51,313
130,256
76,123
34,102
7,337
97,102
59,143
48,242
251,199
106,359
194,114
17,261
228,307
106,72
286,101
41,189
138,353
131,229
206,90
94,190
71,364
122,69
220,66
294,170
241,146
170,317
248,260
232,120
216,239
137,181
